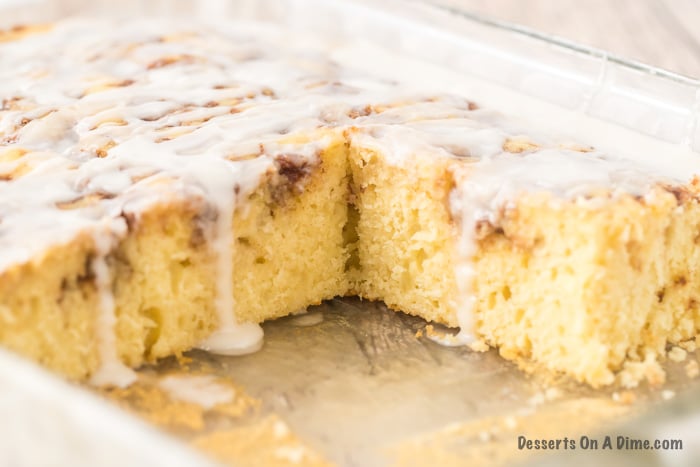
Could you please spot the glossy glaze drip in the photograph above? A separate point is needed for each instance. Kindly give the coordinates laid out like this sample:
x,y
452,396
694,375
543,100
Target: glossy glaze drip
x,y
111,370
231,337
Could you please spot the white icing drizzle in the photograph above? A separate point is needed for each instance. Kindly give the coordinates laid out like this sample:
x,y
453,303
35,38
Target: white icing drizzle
x,y
111,370
203,390
126,117
231,337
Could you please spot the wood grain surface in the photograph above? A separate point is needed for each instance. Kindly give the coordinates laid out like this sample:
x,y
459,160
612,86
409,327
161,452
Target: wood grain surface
x,y
665,33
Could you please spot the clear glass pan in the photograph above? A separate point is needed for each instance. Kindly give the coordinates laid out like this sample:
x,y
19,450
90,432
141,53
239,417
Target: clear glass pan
x,y
361,374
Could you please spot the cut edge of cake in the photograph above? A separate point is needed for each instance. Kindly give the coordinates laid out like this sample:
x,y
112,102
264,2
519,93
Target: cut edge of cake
x,y
594,286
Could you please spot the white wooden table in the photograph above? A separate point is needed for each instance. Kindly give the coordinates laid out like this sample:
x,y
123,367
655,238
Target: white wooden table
x,y
665,33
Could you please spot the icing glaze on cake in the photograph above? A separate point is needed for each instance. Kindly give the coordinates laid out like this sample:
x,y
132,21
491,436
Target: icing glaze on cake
x,y
125,117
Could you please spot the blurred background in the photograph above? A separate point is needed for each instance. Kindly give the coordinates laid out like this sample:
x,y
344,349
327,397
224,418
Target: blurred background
x,y
663,33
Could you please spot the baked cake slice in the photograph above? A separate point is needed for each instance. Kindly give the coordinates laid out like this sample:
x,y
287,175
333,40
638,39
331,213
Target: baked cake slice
x,y
166,186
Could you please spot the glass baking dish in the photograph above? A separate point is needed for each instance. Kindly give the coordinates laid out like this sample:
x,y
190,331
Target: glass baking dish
x,y
350,379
